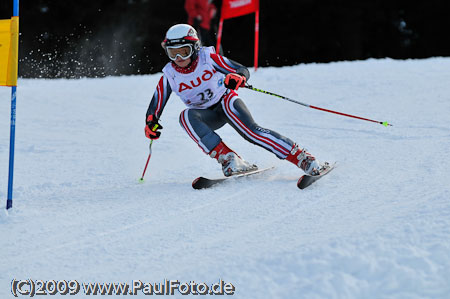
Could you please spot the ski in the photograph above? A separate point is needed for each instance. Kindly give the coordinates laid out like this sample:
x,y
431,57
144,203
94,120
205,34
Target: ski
x,y
306,180
203,183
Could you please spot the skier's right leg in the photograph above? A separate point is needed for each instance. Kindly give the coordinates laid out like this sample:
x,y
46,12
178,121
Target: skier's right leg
x,y
200,125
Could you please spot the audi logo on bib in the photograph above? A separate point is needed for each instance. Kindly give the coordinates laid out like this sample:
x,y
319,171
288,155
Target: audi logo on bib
x,y
207,75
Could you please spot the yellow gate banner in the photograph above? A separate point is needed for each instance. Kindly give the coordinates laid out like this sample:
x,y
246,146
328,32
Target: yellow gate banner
x,y
9,51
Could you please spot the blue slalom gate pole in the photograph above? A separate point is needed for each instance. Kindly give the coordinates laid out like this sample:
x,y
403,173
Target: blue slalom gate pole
x,y
12,136
11,147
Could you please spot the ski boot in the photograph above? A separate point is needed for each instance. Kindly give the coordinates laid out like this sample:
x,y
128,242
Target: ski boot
x,y
232,164
304,160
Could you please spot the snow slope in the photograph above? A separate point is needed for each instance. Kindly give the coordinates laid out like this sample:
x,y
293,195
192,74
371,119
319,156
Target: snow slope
x,y
377,227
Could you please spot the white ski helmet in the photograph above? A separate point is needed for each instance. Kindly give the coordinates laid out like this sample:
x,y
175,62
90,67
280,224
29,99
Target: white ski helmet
x,y
181,40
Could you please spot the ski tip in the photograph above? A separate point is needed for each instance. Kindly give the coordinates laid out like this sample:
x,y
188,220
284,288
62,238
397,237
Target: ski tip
x,y
299,185
306,180
194,182
198,183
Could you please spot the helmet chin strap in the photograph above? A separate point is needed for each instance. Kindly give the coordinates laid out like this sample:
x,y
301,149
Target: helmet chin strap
x,y
193,58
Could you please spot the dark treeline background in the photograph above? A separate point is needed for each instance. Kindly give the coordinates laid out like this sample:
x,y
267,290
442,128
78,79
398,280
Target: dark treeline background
x,y
71,39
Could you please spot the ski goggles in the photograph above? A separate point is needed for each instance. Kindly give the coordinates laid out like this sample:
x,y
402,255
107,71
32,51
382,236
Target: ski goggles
x,y
184,51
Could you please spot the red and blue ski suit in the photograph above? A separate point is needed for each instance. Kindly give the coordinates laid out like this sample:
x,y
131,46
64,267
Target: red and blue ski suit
x,y
211,105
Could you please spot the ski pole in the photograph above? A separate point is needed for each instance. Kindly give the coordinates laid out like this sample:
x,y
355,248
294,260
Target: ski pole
x,y
384,123
155,127
148,159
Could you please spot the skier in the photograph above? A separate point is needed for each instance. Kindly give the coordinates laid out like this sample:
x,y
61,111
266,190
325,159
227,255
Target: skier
x,y
207,82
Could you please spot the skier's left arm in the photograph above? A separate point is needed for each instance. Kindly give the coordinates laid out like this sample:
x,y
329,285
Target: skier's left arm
x,y
236,74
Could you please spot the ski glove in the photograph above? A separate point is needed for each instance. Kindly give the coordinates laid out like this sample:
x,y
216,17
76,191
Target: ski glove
x,y
234,81
152,127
